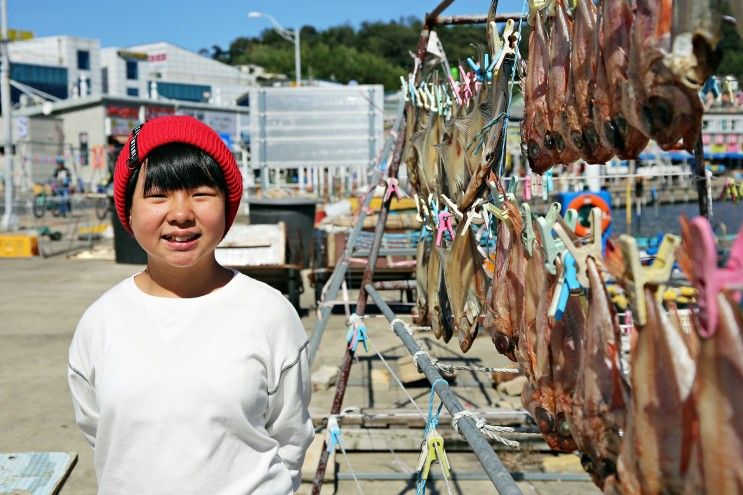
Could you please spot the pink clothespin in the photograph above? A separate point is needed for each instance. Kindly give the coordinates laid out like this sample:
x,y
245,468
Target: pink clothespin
x,y
444,226
527,188
709,279
455,89
629,324
393,187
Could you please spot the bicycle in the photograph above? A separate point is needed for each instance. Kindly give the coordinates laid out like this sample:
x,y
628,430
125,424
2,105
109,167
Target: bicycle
x,y
50,197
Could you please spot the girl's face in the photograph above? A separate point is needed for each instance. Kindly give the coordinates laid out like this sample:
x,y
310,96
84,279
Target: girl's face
x,y
178,229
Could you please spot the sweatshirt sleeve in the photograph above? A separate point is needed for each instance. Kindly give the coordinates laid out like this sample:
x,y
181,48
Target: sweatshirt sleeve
x,y
80,377
289,421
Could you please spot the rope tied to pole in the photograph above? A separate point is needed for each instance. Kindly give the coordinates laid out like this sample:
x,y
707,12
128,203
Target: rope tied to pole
x,y
450,368
490,431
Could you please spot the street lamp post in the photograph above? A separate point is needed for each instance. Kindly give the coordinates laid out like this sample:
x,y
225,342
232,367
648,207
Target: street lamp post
x,y
291,35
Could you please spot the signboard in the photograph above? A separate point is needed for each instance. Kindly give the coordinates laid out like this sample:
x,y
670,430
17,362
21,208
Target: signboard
x,y
316,127
225,124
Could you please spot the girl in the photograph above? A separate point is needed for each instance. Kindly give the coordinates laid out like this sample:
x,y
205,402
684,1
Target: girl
x,y
189,377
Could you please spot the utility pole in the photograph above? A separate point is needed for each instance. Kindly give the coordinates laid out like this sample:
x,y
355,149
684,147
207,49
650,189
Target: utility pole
x,y
8,221
297,63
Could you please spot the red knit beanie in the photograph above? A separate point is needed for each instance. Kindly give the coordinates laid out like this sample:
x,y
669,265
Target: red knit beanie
x,y
175,129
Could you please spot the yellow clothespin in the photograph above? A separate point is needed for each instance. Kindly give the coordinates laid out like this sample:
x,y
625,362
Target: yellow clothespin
x,y
421,209
404,88
433,450
591,249
500,214
472,216
638,276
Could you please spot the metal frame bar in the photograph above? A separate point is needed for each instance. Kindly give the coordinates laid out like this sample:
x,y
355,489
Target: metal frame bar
x,y
464,476
493,466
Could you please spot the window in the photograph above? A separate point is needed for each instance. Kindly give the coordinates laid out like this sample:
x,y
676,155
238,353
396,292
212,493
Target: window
x,y
132,91
132,70
104,80
187,92
83,60
52,80
724,124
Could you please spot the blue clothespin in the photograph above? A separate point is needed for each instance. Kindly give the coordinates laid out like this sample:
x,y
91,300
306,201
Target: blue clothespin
x,y
569,284
356,333
334,433
548,185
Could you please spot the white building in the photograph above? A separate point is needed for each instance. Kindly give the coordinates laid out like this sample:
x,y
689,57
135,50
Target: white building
x,y
166,71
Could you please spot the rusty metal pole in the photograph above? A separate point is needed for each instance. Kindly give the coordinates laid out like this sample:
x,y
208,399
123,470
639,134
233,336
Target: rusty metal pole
x,y
449,20
340,389
700,171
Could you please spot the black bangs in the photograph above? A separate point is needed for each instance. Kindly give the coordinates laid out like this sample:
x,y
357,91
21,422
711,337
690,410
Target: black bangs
x,y
177,166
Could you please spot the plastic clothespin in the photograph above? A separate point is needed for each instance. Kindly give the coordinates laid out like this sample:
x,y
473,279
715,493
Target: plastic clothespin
x,y
430,98
638,276
393,187
433,450
356,333
455,89
472,216
334,433
528,237
549,185
571,218
444,225
452,206
411,89
629,323
499,213
709,279
527,188
567,283
537,186
552,247
513,185
507,47
404,88
591,249
420,98
439,94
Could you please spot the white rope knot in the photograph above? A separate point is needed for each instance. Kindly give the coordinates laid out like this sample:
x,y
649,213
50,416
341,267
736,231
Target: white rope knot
x,y
490,431
398,320
417,354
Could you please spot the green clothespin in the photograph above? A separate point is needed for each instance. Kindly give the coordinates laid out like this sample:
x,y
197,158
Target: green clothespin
x,y
581,253
513,185
638,276
528,237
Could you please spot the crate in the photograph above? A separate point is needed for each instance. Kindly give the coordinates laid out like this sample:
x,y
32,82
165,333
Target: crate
x,y
18,246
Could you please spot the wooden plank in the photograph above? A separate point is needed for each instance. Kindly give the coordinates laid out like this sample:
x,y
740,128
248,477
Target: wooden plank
x,y
37,473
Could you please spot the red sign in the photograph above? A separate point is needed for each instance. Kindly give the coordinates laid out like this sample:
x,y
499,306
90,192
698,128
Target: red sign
x,y
706,139
152,112
122,112
157,57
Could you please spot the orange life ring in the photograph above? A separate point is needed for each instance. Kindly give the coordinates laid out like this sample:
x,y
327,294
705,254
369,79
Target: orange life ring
x,y
594,201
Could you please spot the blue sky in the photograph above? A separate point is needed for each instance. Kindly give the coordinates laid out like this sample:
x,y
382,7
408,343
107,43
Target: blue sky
x,y
189,24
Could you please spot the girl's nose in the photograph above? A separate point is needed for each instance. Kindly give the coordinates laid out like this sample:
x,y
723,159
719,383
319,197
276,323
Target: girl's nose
x,y
181,209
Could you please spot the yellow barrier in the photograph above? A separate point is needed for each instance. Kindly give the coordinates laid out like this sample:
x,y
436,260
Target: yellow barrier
x,y
18,246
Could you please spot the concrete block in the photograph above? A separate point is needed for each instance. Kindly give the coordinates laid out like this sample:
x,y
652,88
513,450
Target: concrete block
x,y
407,371
513,387
324,377
380,378
562,463
499,377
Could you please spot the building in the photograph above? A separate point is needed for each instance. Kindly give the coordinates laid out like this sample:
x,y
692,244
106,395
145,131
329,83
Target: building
x,y
60,67
166,71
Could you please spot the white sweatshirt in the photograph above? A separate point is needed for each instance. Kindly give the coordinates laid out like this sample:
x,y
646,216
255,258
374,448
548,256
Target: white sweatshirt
x,y
193,396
